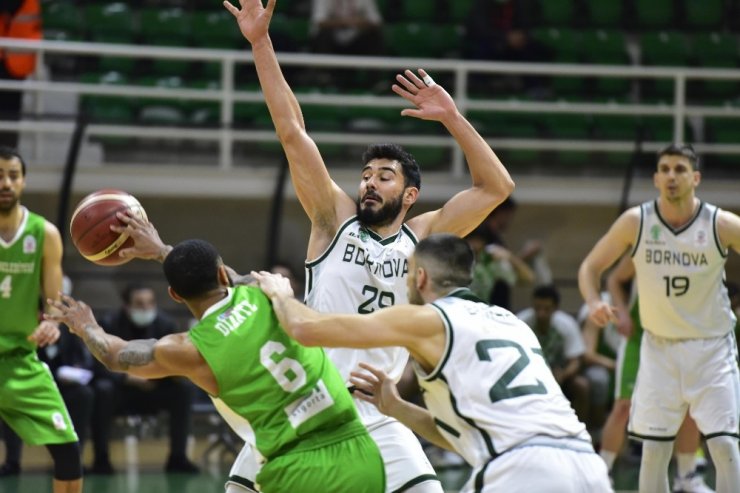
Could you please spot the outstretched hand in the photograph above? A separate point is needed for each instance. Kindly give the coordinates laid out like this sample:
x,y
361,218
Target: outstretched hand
x,y
376,387
75,314
45,334
253,18
147,244
431,100
601,313
273,285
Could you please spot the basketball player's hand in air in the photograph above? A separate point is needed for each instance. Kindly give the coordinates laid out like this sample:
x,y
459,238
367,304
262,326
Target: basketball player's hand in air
x,y
374,386
431,100
253,18
147,244
273,285
75,314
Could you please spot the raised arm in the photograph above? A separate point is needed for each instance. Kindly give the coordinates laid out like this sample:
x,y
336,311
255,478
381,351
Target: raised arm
x,y
607,250
325,203
172,355
418,328
491,181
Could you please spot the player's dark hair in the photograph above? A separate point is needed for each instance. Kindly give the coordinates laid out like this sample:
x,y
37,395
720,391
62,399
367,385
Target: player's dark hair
x,y
548,292
685,150
8,153
128,291
394,152
191,268
448,259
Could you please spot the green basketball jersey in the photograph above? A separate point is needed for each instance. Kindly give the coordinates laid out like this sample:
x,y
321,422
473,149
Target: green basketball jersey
x,y
272,391
20,283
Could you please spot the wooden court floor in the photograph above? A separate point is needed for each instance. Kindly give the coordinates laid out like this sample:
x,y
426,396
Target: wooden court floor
x,y
146,475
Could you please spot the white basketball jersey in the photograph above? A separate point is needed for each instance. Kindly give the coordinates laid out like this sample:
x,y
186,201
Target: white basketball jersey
x,y
360,272
680,274
492,389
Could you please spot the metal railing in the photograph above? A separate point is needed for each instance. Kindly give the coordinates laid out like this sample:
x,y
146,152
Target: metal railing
x,y
227,95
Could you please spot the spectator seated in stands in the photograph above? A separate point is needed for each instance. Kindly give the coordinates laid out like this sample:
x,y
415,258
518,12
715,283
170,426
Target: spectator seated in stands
x,y
118,394
562,345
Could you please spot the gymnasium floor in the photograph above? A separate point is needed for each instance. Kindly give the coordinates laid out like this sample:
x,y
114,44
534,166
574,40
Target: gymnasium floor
x,y
149,478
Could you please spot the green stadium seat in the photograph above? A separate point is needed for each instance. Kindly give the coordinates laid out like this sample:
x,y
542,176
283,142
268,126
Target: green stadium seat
x,y
723,131
660,129
567,126
557,13
107,109
113,22
165,26
607,47
62,20
164,111
460,10
418,10
704,14
431,157
216,30
715,50
418,40
201,112
655,14
616,127
568,48
499,124
289,33
663,48
605,14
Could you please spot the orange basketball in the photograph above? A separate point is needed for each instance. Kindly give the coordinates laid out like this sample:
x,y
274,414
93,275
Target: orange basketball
x,y
91,221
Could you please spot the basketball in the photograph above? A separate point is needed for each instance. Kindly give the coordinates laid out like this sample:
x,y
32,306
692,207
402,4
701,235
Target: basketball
x,y
91,221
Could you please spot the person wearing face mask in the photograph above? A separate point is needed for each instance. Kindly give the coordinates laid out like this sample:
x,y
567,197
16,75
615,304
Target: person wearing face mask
x,y
119,394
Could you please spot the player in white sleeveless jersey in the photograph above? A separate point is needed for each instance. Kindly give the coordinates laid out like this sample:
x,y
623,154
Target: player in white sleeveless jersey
x,y
688,356
389,187
489,392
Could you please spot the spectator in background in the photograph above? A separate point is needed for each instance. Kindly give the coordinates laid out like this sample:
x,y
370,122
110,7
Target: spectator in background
x,y
346,27
496,269
499,30
18,19
287,271
562,345
118,393
507,267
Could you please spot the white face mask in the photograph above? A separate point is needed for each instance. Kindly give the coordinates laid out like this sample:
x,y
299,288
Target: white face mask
x,y
142,318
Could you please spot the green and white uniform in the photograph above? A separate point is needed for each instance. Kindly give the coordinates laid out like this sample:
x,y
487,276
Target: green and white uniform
x,y
360,272
628,356
495,400
29,399
688,356
286,400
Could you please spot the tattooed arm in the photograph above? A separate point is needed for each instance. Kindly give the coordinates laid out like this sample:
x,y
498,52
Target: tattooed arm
x,y
172,355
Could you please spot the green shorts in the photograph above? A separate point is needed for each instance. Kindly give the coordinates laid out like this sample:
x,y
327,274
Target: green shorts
x,y
350,461
30,402
628,361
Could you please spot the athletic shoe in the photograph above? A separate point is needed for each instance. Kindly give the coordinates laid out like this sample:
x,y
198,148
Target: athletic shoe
x,y
693,483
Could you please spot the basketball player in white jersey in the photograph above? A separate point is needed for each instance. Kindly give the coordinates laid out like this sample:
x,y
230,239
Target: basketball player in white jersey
x,y
688,356
358,248
489,392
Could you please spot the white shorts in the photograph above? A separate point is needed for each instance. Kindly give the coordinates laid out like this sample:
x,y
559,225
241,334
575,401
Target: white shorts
x,y
406,465
555,468
698,375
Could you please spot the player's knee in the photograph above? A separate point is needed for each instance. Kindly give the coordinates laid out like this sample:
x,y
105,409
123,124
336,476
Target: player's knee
x,y
723,448
67,463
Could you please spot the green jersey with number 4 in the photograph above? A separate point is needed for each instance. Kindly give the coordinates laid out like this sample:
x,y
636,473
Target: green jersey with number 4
x,y
20,283
273,392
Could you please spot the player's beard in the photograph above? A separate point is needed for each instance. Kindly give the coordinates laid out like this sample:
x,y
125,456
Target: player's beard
x,y
415,296
387,213
7,207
